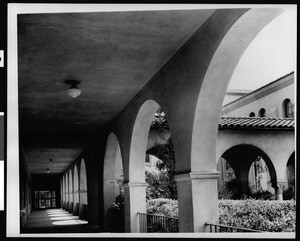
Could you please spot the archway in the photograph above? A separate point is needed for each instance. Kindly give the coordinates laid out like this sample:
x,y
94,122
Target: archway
x,y
136,185
289,189
64,191
244,159
202,170
70,191
67,191
61,192
134,190
83,200
76,193
112,185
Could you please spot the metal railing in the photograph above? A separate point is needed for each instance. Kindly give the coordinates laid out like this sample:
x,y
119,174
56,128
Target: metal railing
x,y
154,223
218,228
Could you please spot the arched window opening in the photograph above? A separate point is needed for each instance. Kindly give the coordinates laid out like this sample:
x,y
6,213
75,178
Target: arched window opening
x,y
288,108
262,112
252,114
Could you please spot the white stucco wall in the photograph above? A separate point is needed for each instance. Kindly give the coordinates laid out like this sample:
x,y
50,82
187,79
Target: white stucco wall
x,y
272,103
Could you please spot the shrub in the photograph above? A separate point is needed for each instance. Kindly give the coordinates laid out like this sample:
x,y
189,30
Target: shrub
x,y
163,206
269,216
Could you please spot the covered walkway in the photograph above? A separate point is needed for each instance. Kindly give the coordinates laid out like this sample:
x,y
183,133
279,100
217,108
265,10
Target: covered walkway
x,y
56,221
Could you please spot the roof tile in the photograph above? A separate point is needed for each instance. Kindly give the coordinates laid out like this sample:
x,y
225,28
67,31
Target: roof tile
x,y
232,122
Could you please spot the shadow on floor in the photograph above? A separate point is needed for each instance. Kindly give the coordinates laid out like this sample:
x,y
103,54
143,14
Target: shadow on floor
x,y
56,221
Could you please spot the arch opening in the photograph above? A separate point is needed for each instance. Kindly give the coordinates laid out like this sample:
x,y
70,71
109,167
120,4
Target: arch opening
x,y
67,191
83,199
251,173
289,189
76,191
113,180
151,143
70,191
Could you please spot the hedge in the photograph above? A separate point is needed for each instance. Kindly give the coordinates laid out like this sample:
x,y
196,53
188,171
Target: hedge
x,y
268,216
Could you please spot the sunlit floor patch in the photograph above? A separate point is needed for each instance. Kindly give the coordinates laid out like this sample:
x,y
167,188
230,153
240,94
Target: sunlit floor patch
x,y
68,222
56,221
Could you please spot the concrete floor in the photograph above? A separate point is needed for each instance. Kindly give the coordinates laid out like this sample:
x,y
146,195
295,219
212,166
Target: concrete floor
x,y
56,221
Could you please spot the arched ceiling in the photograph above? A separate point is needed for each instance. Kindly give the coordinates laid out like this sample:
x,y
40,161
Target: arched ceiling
x,y
113,54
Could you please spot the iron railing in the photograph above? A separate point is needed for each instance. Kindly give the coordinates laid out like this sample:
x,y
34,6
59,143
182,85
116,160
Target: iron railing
x,y
218,228
154,223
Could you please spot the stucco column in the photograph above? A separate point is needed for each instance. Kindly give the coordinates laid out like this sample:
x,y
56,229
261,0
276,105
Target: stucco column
x,y
197,200
134,202
279,191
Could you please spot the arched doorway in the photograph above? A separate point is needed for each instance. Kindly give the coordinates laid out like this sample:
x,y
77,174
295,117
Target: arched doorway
x,y
70,191
289,189
67,191
76,193
64,192
83,200
112,186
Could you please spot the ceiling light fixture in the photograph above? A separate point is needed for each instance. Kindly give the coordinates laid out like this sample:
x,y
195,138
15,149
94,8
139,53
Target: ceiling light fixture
x,y
73,91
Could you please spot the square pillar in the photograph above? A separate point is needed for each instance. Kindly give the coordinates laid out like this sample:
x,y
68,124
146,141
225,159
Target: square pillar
x,y
279,191
197,200
134,202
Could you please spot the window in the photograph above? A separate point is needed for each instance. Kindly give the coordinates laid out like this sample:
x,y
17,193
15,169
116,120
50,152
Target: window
x,y
288,108
44,199
262,112
252,114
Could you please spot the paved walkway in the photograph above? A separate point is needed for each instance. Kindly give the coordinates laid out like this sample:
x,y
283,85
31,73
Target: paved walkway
x,y
56,221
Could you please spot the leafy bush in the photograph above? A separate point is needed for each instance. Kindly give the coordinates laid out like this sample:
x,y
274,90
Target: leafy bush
x,y
269,216
163,206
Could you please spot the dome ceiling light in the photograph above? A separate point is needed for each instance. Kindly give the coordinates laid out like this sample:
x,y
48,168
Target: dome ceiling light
x,y
73,91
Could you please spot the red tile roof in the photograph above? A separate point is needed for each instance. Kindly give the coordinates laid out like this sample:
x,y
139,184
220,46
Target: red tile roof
x,y
235,122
